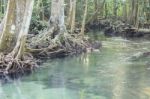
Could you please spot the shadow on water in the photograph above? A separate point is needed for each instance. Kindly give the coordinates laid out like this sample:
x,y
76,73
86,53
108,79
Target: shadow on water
x,y
112,73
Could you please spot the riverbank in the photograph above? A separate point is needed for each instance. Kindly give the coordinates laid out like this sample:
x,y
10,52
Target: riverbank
x,y
116,27
36,53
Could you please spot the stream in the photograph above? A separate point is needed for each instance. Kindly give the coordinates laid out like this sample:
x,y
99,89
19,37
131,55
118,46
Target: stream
x,y
116,72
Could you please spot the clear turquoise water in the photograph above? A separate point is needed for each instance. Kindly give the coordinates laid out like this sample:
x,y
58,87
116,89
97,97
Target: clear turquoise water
x,y
115,72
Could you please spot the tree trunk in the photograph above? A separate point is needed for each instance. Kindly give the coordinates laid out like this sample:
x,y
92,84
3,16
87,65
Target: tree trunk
x,y
13,37
130,12
96,8
125,10
20,44
57,18
70,14
16,21
8,35
84,18
115,7
73,16
102,8
56,37
106,10
135,12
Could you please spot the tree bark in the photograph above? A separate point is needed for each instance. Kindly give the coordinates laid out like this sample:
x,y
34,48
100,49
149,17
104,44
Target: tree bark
x,y
84,18
16,24
57,24
125,10
9,29
13,37
20,45
106,10
70,14
133,15
115,7
135,12
73,16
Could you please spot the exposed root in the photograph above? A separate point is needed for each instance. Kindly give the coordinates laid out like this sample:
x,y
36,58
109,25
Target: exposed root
x,y
45,46
63,43
9,64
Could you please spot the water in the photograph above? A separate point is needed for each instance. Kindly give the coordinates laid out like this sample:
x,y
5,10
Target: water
x,y
116,72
